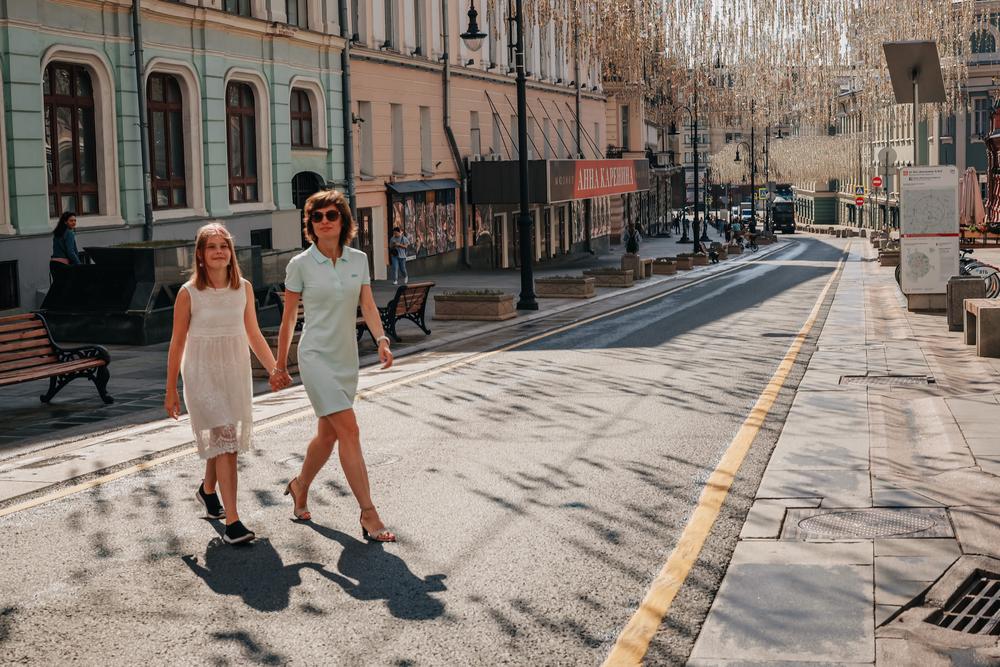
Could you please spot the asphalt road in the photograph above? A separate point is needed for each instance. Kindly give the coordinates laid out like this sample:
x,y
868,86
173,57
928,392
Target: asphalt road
x,y
536,493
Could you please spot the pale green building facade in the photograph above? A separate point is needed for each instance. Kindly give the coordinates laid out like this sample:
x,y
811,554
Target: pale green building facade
x,y
231,86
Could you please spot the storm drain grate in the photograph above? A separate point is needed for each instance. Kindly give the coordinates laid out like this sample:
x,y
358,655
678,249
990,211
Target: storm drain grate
x,y
975,609
887,380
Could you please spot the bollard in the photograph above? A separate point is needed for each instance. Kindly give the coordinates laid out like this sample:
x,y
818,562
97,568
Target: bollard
x,y
958,290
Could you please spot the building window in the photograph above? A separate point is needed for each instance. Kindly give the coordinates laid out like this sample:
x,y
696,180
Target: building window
x,y
10,290
981,111
420,31
242,142
70,140
165,111
426,158
625,128
302,119
297,13
475,138
546,134
390,24
262,238
398,155
365,139
238,7
356,31
983,42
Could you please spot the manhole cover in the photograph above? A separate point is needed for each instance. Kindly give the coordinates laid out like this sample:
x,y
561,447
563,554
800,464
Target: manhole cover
x,y
975,609
887,380
868,523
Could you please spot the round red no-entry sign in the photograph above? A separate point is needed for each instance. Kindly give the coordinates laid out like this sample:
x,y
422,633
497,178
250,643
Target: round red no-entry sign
x,y
877,182
860,201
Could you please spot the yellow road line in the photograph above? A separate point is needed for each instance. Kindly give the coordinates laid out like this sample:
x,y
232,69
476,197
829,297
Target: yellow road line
x,y
366,393
633,642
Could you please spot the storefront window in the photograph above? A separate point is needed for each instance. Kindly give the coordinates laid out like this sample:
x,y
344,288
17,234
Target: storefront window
x,y
428,219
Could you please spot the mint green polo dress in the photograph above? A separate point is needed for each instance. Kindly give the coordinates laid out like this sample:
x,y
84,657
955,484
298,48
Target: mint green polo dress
x,y
328,348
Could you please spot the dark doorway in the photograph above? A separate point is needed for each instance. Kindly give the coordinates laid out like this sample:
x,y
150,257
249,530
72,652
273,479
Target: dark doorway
x,y
364,238
547,234
304,185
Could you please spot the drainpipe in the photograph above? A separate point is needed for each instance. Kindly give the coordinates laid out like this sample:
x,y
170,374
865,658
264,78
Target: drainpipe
x,y
345,91
456,155
147,198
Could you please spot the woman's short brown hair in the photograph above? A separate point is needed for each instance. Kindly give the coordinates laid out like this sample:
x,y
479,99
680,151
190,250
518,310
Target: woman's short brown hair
x,y
325,199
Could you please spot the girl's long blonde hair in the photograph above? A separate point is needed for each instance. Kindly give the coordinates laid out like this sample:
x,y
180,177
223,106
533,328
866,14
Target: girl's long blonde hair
x,y
200,241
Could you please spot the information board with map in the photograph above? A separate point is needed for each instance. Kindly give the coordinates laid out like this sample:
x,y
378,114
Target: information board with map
x,y
928,228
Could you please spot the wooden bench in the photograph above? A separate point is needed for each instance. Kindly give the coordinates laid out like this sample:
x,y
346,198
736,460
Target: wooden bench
x,y
27,352
409,303
982,326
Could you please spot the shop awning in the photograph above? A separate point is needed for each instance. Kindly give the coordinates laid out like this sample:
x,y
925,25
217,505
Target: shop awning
x,y
406,187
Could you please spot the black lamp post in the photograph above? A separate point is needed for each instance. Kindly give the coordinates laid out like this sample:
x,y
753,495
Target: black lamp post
x,y
693,115
473,38
753,172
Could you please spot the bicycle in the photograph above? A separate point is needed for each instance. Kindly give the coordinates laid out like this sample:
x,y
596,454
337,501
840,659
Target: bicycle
x,y
752,242
971,267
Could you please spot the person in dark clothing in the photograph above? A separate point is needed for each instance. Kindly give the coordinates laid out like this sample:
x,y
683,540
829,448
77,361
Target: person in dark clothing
x,y
64,251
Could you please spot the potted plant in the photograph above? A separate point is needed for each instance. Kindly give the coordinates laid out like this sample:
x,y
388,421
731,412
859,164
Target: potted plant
x,y
485,305
565,287
684,261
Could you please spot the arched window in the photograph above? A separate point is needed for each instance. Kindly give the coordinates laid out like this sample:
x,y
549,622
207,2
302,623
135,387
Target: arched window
x,y
165,111
301,119
983,42
70,139
242,142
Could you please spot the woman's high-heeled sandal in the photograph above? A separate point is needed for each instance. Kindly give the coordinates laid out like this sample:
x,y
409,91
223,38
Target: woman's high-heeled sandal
x,y
380,535
300,513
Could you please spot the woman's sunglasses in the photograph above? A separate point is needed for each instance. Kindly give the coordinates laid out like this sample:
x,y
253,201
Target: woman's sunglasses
x,y
333,215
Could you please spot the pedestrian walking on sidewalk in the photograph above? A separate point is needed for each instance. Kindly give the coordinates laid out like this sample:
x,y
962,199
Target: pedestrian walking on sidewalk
x,y
397,255
331,279
215,326
64,250
631,239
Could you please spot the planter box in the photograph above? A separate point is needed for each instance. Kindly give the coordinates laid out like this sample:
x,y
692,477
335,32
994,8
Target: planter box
x,y
564,288
664,268
734,250
888,258
699,260
722,254
633,263
685,263
611,277
479,307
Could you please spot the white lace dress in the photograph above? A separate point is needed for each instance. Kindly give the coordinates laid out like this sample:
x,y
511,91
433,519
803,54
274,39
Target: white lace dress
x,y
218,389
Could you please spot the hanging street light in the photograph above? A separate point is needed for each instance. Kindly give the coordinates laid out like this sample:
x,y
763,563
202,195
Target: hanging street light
x,y
473,36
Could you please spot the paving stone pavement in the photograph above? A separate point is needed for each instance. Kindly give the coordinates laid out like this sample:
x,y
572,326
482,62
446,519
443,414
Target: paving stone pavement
x,y
930,451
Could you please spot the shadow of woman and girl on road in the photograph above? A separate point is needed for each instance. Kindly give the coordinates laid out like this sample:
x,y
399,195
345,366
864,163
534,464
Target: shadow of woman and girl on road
x,y
365,571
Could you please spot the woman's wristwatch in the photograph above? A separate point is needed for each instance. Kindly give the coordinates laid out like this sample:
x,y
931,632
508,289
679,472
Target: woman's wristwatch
x,y
277,369
381,338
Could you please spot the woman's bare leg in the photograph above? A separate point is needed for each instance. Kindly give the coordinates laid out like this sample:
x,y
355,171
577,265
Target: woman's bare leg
x,y
225,469
317,454
345,424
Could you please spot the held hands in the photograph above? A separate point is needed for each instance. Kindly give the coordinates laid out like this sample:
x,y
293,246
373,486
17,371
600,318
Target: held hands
x,y
172,403
280,379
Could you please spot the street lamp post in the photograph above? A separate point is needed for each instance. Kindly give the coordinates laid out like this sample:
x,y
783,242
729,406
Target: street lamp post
x,y
693,115
753,171
473,38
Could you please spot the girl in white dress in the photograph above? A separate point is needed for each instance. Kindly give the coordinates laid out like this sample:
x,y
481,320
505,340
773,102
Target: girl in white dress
x,y
214,321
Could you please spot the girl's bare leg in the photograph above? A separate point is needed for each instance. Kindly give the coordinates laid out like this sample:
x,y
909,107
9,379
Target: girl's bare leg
x,y
211,478
225,468
317,454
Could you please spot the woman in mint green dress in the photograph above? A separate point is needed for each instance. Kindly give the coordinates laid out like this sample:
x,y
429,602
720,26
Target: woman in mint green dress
x,y
331,279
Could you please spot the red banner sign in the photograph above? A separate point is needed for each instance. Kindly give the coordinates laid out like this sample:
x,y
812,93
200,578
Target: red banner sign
x,y
583,179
